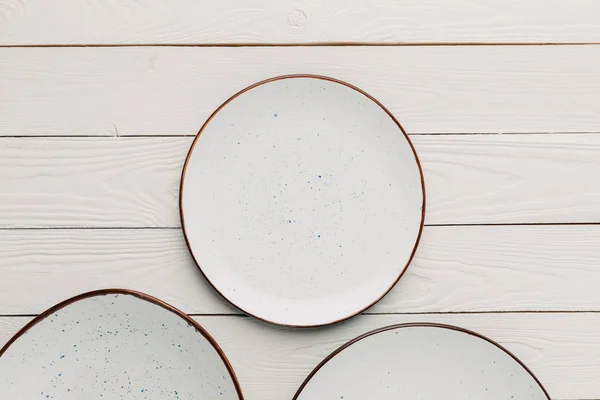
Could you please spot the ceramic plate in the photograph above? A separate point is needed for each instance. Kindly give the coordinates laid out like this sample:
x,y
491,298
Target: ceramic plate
x,y
302,200
114,344
421,361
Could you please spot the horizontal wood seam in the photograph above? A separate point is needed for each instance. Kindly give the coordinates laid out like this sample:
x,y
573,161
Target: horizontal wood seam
x,y
123,228
305,44
382,313
191,135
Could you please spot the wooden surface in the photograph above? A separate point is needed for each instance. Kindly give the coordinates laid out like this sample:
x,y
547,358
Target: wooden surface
x,y
134,182
31,22
456,269
122,91
92,141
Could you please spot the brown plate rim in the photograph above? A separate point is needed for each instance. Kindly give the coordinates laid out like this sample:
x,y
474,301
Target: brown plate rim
x,y
305,76
139,295
415,325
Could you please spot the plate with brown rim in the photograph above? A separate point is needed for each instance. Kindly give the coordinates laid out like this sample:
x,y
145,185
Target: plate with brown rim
x,y
421,361
115,344
302,200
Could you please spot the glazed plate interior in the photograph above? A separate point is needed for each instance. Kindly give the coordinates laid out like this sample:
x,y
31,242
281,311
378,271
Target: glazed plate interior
x,y
421,362
114,346
302,201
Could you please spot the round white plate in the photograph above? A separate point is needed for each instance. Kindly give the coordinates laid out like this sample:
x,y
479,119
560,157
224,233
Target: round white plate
x,y
421,361
114,344
302,200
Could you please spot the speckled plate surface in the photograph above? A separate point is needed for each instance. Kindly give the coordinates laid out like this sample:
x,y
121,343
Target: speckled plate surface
x,y
114,344
421,361
302,200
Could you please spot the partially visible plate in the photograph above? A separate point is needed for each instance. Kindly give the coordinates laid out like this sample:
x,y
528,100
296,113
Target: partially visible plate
x,y
424,362
302,200
114,344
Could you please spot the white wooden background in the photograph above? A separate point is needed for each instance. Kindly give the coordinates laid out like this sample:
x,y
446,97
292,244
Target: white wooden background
x,y
501,98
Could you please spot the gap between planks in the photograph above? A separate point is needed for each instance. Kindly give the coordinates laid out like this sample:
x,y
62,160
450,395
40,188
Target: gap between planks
x,y
308,44
191,135
104,228
240,315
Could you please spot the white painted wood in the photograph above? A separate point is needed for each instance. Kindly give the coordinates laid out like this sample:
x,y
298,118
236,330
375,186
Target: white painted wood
x,y
561,349
465,268
57,264
91,182
134,182
472,179
172,90
511,178
27,22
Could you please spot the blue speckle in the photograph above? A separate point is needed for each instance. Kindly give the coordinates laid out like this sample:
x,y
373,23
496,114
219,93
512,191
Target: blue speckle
x,y
319,176
275,115
318,235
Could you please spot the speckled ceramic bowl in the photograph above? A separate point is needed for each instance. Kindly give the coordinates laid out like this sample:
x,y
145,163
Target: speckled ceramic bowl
x,y
114,344
302,200
421,361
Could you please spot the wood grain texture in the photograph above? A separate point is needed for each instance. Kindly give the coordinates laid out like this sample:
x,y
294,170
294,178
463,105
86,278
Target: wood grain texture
x,y
561,349
511,178
456,269
172,90
26,22
91,182
533,288
134,182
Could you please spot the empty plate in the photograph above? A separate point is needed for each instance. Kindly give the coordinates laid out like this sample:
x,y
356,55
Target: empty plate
x,y
114,344
302,200
421,361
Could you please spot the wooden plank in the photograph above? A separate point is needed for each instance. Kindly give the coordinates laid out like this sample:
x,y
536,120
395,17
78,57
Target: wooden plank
x,y
134,182
456,269
172,90
90,182
271,363
294,21
57,264
511,178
